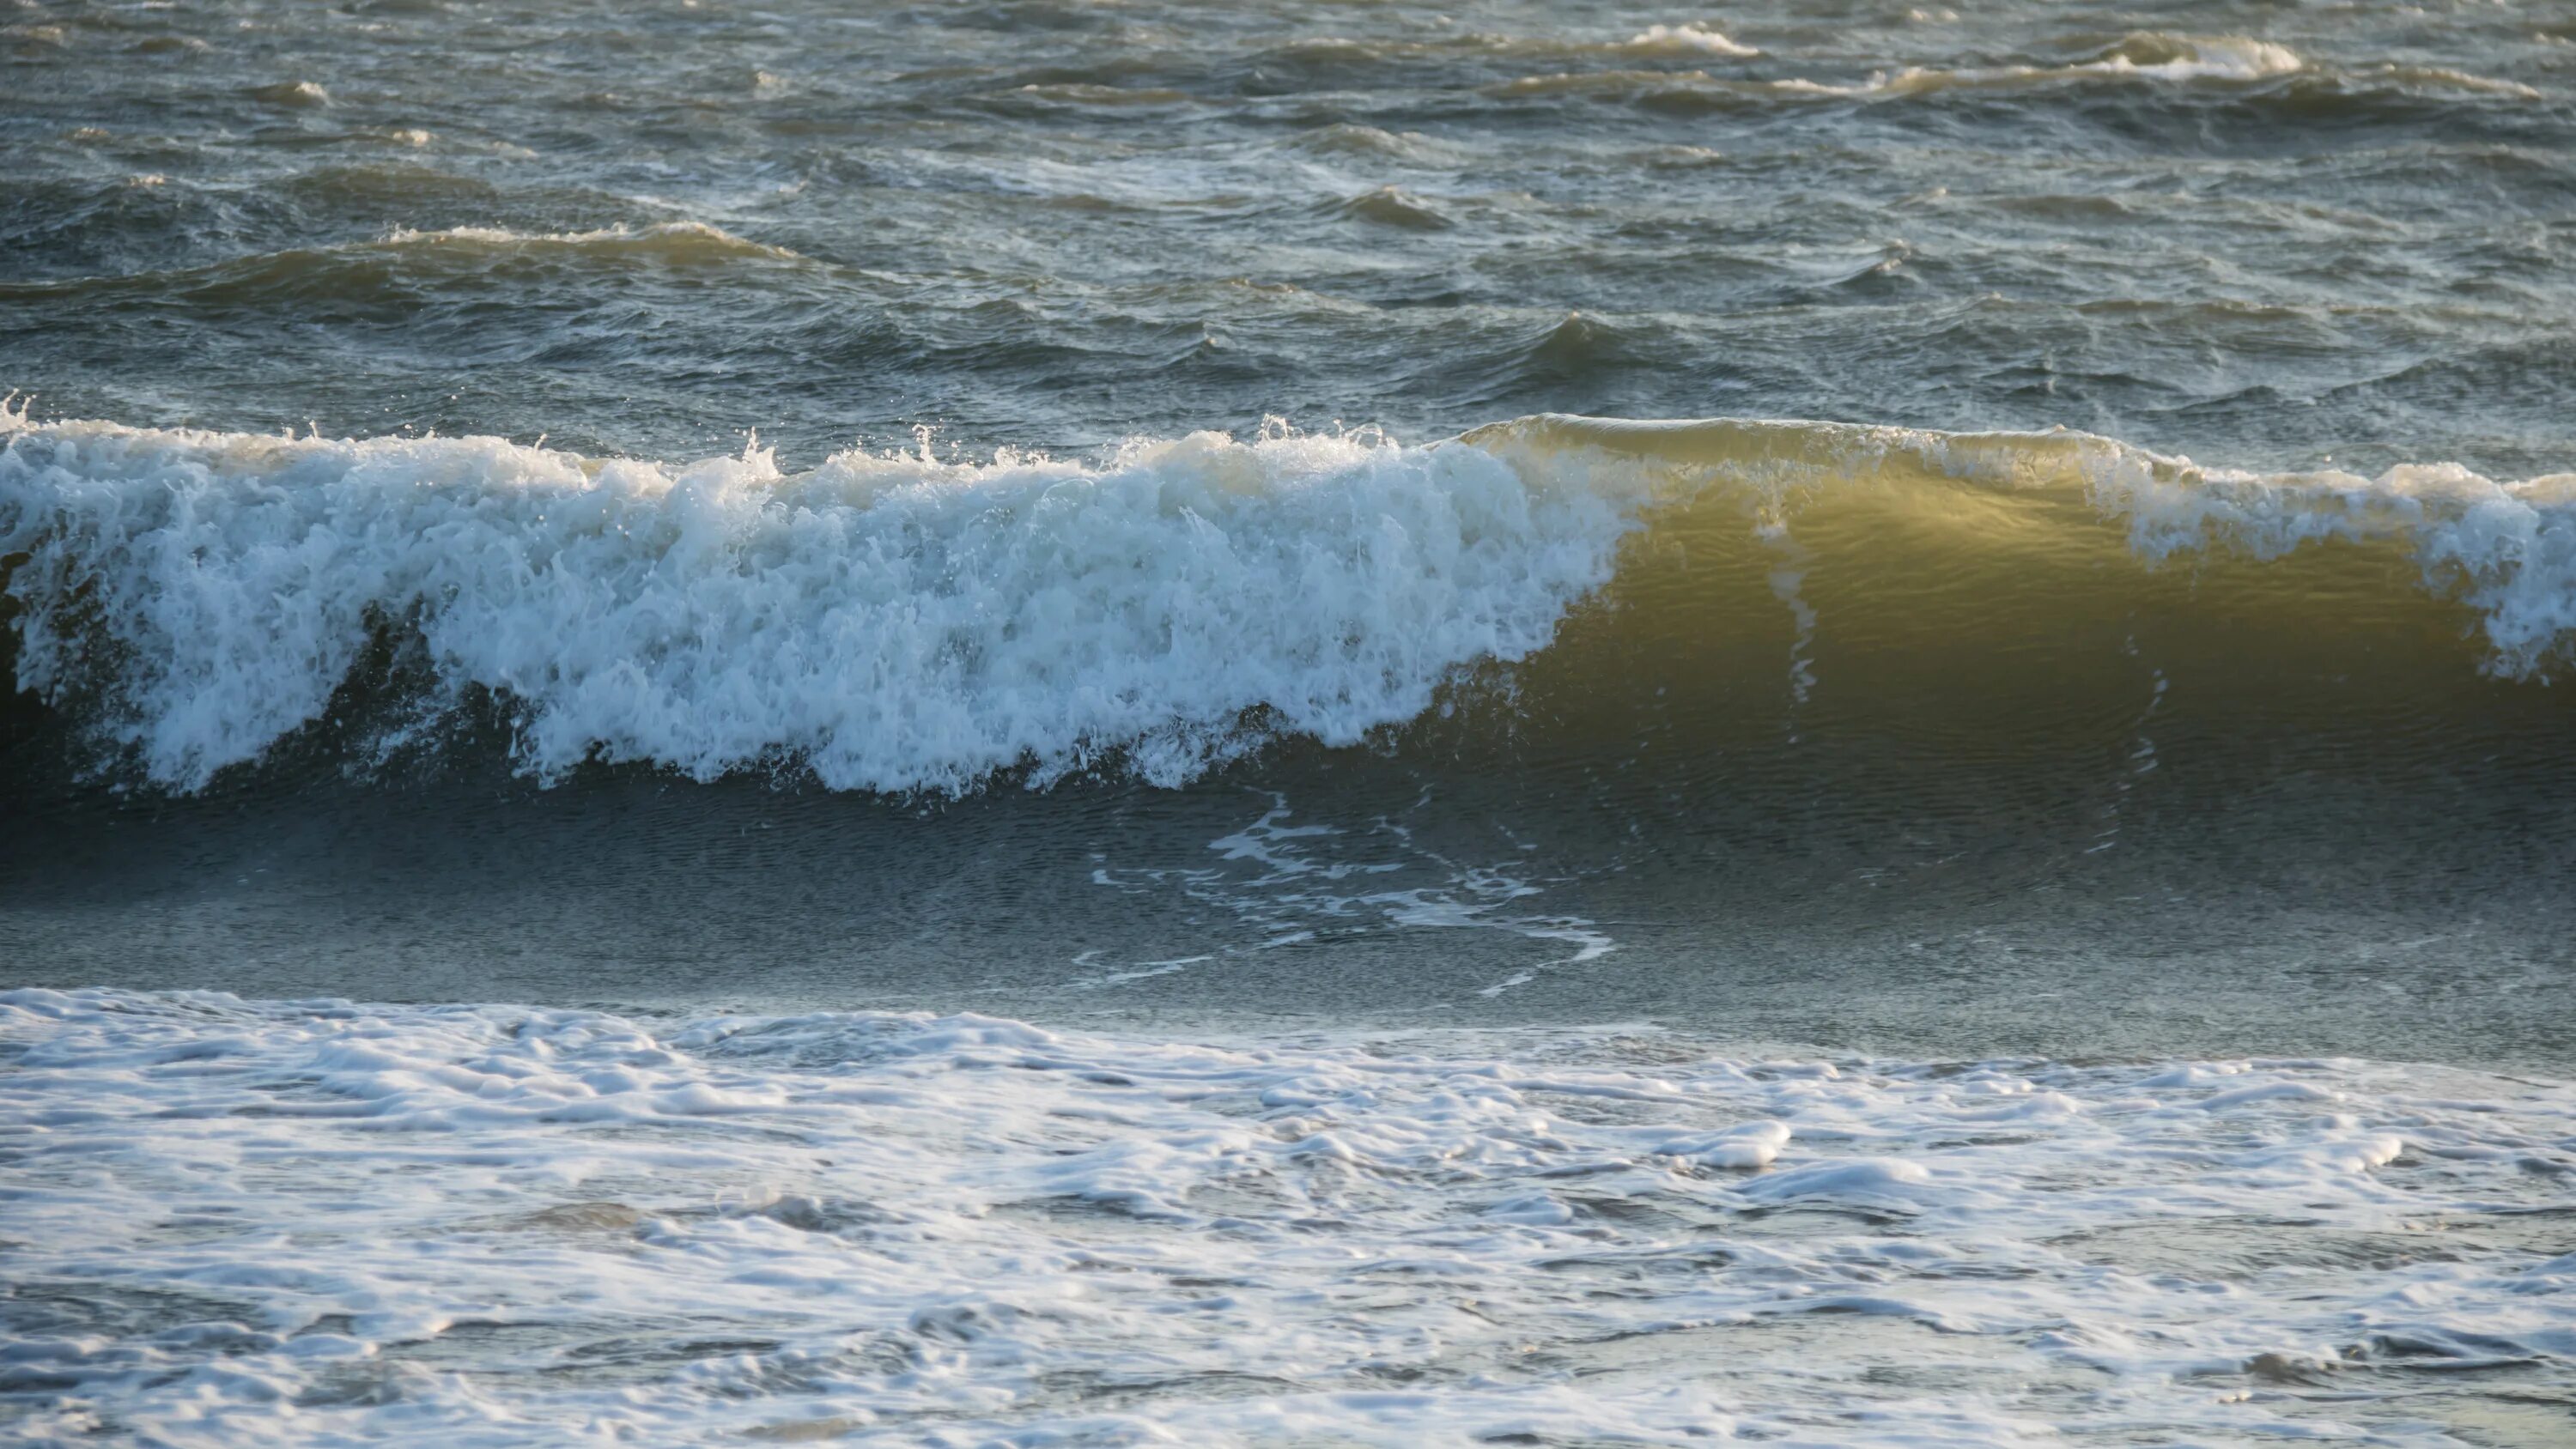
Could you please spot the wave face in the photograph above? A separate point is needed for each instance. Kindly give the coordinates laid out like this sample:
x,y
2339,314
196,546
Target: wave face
x,y
899,622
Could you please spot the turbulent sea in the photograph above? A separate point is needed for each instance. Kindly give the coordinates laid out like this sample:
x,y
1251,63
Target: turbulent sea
x,y
1113,723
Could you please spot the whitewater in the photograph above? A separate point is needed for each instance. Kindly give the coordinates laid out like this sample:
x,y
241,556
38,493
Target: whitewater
x,y
319,1222
900,621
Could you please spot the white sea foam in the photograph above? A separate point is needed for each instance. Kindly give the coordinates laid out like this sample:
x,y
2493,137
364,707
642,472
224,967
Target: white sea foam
x,y
1290,882
310,1223
2146,55
892,621
2186,57
298,94
1684,39
2150,55
670,238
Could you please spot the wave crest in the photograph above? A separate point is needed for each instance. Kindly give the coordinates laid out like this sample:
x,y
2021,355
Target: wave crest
x,y
900,622
890,621
669,241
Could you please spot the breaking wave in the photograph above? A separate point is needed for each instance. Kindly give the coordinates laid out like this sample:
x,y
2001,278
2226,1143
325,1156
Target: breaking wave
x,y
899,621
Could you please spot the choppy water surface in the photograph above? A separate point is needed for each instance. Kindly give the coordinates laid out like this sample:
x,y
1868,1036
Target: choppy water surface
x,y
2264,236
727,558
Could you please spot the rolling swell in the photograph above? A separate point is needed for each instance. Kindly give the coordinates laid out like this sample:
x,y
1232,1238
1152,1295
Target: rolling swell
x,y
398,268
1541,589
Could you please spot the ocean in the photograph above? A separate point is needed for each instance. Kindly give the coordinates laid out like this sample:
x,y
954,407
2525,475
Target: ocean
x,y
1056,723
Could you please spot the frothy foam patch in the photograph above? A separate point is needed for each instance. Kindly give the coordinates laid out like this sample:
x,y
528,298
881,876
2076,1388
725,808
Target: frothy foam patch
x,y
314,1222
892,622
2236,57
300,95
2155,55
1293,882
2144,55
1684,39
2149,56
672,238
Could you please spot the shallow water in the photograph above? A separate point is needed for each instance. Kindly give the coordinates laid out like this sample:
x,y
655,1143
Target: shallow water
x,y
545,1226
1018,752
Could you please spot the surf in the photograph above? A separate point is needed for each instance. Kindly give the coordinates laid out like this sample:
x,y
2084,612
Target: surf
x,y
903,621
